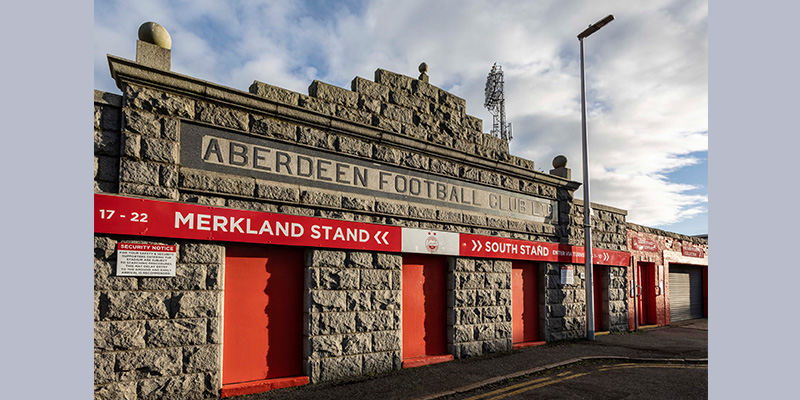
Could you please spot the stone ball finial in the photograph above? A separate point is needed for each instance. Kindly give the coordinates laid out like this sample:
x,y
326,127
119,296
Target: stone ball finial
x,y
559,161
423,68
154,33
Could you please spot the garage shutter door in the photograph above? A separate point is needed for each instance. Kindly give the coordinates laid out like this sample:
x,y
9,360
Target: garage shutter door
x,y
685,292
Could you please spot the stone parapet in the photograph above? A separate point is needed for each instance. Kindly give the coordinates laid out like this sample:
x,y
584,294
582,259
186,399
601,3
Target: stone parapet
x,y
436,110
658,232
275,93
608,225
410,107
150,164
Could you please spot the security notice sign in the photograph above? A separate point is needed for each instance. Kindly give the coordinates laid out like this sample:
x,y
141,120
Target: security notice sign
x,y
567,275
145,259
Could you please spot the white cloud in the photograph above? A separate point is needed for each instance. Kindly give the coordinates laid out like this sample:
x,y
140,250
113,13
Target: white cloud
x,y
647,72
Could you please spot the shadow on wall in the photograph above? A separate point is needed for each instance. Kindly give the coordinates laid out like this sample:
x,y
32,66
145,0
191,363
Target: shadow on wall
x,y
433,291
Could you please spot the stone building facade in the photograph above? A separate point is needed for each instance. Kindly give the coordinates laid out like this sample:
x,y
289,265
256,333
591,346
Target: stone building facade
x,y
654,254
394,154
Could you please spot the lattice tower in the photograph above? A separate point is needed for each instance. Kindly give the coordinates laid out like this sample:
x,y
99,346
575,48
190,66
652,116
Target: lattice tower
x,y
496,104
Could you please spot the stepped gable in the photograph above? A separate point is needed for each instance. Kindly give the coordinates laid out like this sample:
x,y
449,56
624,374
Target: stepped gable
x,y
402,105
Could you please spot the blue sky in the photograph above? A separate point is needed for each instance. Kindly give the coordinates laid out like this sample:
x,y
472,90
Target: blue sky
x,y
697,176
647,74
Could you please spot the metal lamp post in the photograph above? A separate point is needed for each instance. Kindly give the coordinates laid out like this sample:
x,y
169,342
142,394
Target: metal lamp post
x,y
586,206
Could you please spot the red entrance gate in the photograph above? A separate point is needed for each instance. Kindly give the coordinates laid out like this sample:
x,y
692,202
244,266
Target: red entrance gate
x,y
524,302
645,274
424,310
263,335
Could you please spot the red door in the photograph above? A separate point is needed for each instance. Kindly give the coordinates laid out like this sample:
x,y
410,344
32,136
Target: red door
x,y
645,275
524,302
597,294
424,306
705,291
263,320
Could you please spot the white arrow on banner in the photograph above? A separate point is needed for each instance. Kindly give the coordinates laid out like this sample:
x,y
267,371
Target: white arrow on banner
x,y
378,239
476,245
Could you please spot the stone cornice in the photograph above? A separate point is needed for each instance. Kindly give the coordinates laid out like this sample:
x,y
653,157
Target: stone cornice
x,y
109,99
597,206
659,232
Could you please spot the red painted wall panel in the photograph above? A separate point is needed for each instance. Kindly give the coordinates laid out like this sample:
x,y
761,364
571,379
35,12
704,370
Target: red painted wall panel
x,y
660,299
705,292
524,302
631,295
597,294
424,306
263,336
653,294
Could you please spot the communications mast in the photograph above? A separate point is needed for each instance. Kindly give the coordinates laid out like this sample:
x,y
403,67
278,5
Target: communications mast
x,y
497,104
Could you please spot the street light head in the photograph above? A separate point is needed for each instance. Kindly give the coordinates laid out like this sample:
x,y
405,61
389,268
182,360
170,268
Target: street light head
x,y
602,22
595,26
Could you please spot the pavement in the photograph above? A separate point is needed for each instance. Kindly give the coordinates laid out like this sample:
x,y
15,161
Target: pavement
x,y
685,341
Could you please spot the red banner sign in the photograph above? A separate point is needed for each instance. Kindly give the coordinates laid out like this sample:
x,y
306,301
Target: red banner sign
x,y
497,247
131,216
644,244
692,251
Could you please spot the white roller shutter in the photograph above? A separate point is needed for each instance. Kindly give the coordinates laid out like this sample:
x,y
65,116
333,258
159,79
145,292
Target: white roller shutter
x,y
685,292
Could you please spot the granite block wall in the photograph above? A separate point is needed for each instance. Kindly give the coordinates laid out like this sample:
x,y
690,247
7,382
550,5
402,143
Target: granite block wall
x,y
353,315
565,305
615,304
480,312
608,224
149,142
158,338
107,124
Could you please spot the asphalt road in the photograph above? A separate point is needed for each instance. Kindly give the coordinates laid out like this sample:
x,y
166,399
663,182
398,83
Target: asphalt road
x,y
603,380
685,340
